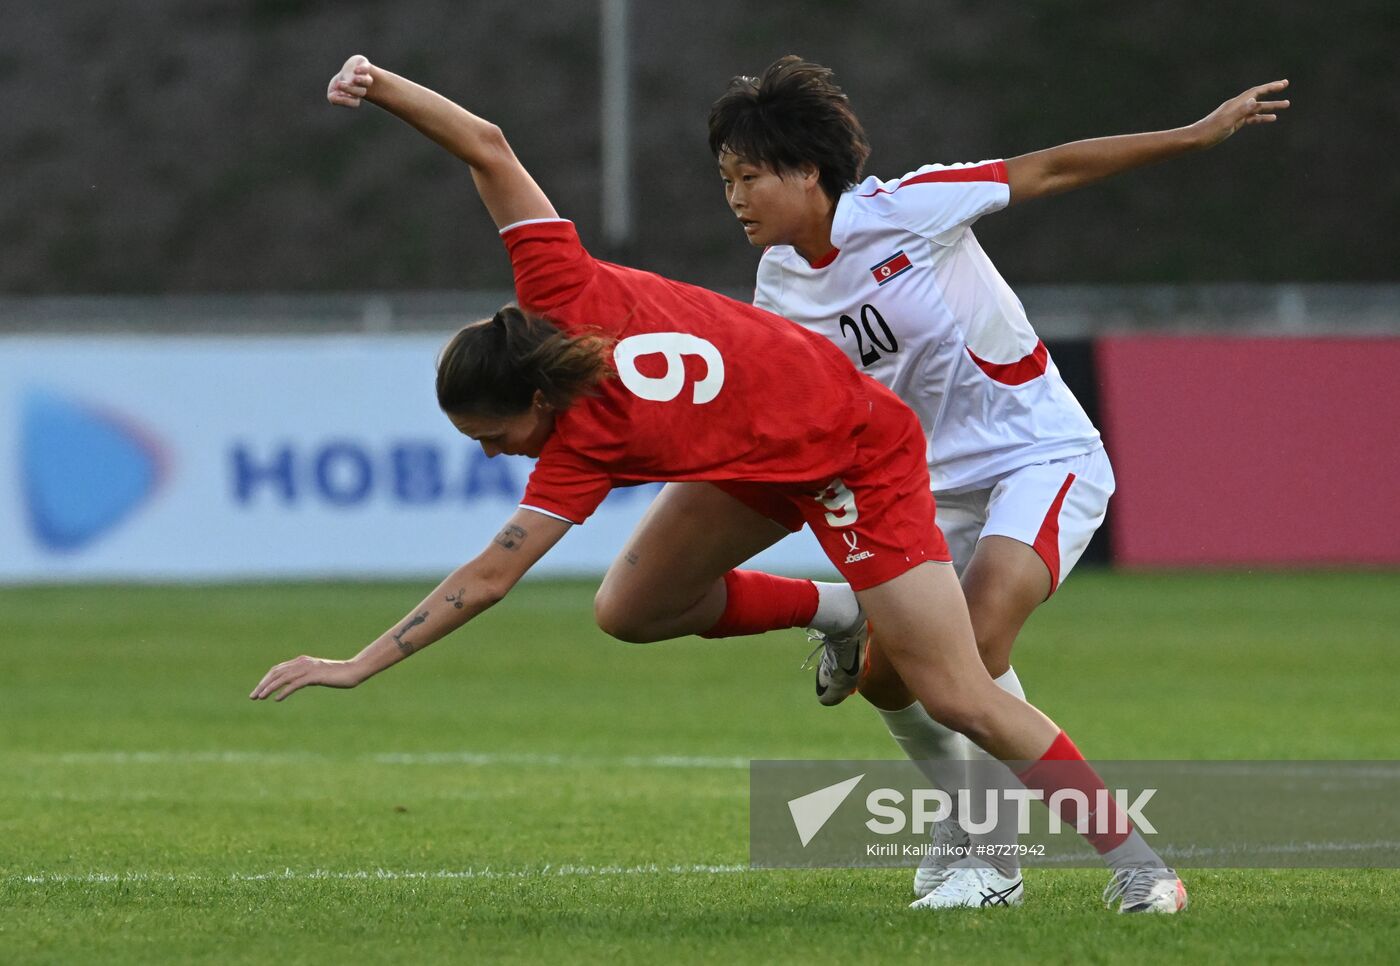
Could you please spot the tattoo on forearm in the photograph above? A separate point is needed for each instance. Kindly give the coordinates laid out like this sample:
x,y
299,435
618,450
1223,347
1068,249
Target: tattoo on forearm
x,y
511,537
632,557
456,599
408,647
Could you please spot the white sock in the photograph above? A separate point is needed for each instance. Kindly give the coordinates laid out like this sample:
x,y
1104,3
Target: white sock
x,y
1133,853
921,738
837,608
1010,683
927,743
984,773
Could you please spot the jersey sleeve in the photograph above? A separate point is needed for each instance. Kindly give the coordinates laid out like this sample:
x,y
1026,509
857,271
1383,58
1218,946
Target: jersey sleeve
x,y
938,197
551,266
563,484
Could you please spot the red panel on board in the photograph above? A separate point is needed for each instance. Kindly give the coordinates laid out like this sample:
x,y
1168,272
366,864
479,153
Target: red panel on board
x,y
1253,451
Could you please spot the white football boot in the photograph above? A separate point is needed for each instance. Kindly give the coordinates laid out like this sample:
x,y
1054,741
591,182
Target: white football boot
x,y
950,843
973,887
1145,890
843,657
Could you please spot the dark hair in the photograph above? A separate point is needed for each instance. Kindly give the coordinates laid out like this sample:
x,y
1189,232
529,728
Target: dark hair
x,y
494,367
793,115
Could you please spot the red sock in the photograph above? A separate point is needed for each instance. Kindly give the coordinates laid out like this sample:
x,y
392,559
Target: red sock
x,y
757,602
1063,767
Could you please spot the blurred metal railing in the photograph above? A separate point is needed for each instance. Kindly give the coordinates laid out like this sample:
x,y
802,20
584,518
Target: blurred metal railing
x,y
1087,310
1056,311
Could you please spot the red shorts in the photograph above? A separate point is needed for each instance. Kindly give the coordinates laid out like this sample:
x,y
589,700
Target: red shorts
x,y
875,520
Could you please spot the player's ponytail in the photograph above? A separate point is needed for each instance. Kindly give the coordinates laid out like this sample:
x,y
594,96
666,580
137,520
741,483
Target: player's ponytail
x,y
494,367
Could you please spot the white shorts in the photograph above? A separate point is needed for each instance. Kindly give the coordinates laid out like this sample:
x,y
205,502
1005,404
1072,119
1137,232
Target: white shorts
x,y
1052,507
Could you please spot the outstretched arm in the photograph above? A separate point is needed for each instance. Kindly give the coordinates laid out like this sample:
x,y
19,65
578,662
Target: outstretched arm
x,y
471,589
506,188
1081,163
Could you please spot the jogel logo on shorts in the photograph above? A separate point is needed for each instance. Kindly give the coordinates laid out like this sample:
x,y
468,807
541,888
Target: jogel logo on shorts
x,y
856,555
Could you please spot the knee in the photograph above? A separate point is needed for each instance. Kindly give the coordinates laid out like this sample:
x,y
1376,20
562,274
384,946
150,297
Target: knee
x,y
956,713
995,632
994,647
618,618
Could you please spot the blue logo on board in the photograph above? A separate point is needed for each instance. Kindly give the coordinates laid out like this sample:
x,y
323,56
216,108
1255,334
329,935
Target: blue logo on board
x,y
84,468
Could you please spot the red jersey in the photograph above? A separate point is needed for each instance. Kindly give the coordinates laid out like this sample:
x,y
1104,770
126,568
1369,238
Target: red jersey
x,y
707,388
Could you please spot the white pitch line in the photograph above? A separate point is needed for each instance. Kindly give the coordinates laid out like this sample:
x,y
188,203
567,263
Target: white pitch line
x,y
1290,848
1212,851
1379,769
468,758
586,871
370,875
1350,768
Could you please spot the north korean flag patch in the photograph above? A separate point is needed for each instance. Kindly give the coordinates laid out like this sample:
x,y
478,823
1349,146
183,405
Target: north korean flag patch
x,y
892,267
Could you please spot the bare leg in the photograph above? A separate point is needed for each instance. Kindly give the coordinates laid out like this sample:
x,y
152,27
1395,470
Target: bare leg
x,y
1004,583
926,634
881,684
668,580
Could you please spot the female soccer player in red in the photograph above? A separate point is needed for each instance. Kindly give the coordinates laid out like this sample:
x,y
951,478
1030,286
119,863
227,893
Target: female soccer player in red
x,y
891,272
612,376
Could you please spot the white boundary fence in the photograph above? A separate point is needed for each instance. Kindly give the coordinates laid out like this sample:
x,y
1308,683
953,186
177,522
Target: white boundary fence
x,y
196,459
213,438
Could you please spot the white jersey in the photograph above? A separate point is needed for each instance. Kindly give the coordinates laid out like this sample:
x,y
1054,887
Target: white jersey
x,y
915,302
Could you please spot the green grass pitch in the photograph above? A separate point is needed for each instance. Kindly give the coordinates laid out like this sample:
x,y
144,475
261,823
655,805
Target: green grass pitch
x,y
530,791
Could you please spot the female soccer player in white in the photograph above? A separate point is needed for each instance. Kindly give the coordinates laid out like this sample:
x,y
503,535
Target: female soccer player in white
x,y
834,448
891,272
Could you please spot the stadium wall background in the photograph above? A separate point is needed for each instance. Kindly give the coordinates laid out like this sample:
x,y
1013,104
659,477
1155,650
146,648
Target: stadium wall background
x,y
1243,451
200,458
